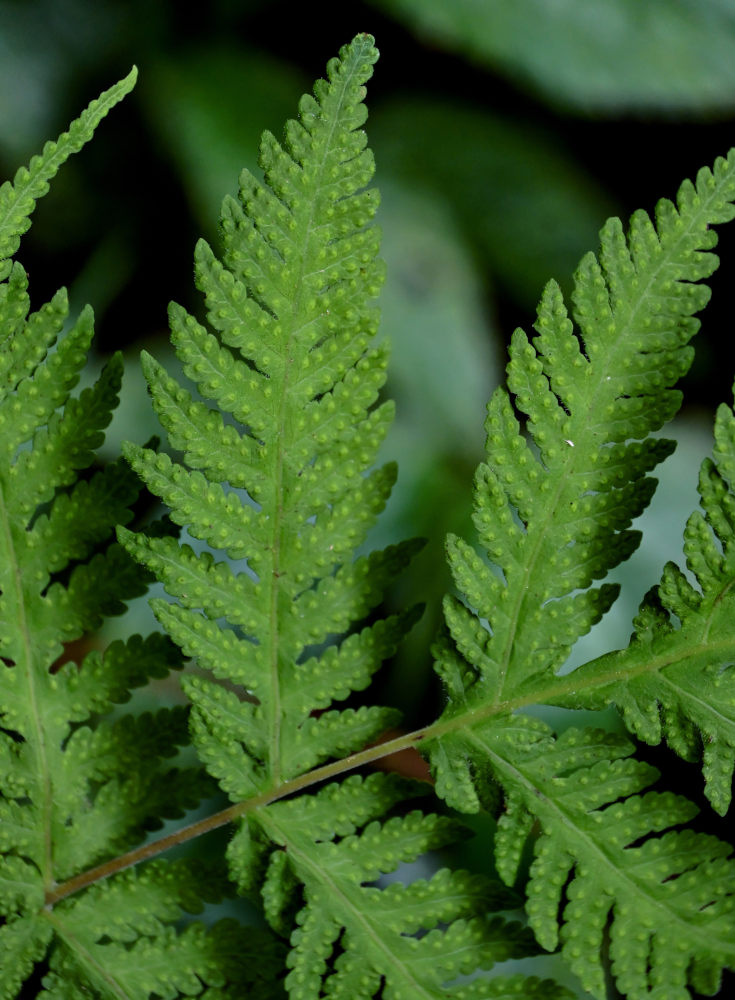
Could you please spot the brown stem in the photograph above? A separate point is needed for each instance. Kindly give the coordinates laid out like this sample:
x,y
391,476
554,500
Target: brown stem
x,y
213,822
599,672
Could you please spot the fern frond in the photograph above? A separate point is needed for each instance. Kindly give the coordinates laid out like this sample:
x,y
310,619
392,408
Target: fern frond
x,y
116,939
283,482
554,504
675,680
353,938
72,794
553,510
18,199
279,475
75,786
599,865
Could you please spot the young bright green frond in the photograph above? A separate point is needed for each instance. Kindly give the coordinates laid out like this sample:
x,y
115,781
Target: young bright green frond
x,y
18,200
555,500
279,473
675,681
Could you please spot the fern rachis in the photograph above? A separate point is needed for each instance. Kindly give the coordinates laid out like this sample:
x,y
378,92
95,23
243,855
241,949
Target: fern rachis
x,y
274,465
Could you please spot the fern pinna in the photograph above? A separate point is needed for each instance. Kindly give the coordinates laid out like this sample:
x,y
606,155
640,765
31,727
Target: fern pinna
x,y
554,503
676,680
79,788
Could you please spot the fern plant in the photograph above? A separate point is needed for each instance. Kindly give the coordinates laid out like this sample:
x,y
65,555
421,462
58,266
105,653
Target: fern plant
x,y
274,600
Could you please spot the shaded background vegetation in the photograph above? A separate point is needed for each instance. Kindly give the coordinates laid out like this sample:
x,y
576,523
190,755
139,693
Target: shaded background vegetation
x,y
505,133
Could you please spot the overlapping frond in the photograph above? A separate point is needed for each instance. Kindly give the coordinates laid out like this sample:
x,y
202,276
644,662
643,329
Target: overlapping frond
x,y
676,680
554,508
279,473
555,500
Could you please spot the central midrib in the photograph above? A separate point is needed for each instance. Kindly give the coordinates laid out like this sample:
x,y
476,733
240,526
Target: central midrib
x,y
283,444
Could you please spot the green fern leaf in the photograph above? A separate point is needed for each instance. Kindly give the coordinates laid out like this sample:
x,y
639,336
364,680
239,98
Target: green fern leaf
x,y
286,487
76,787
23,942
677,679
279,475
554,504
351,938
275,482
556,518
116,939
667,900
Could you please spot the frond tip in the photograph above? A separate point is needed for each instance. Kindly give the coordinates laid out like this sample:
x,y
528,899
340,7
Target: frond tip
x,y
18,199
280,474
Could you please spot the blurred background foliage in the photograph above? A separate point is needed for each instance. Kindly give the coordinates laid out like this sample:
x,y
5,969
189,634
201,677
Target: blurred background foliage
x,y
505,132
